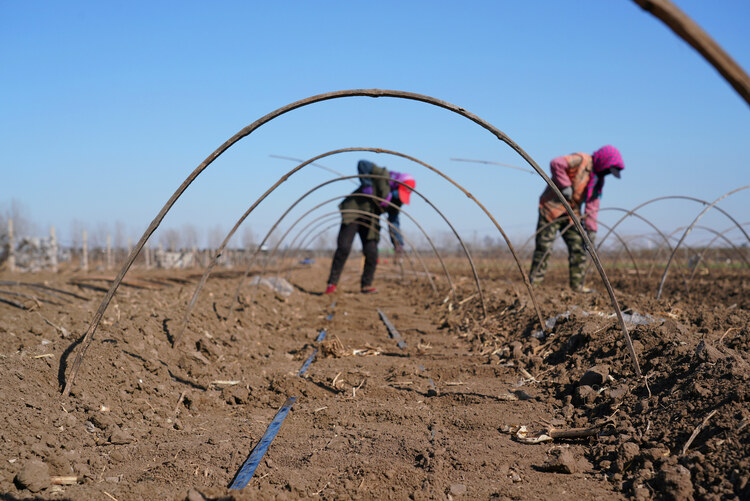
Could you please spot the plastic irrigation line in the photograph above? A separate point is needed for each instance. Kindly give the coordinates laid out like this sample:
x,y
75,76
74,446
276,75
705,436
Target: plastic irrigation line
x,y
392,331
248,468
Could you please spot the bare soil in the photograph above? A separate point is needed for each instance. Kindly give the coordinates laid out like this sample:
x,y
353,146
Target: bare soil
x,y
434,420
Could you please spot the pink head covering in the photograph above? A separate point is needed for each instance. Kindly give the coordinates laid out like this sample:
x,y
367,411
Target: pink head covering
x,y
607,157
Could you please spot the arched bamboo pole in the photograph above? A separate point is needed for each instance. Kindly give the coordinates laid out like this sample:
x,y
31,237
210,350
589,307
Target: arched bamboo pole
x,y
652,225
690,228
570,225
239,286
312,230
304,234
717,235
378,200
337,212
723,236
627,251
212,264
219,251
375,93
693,34
681,197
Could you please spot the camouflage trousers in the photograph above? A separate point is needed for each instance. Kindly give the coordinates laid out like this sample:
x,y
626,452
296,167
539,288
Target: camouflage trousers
x,y
545,237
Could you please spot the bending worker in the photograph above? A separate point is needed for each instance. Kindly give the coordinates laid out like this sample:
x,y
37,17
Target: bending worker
x,y
382,185
580,178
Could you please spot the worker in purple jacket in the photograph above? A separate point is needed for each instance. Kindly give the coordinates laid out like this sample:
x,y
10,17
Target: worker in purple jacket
x,y
382,185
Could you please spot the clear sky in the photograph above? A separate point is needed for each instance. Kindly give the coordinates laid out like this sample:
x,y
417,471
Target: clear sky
x,y
108,106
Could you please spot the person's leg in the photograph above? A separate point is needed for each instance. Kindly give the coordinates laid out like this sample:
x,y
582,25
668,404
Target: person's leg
x,y
343,248
370,251
576,257
545,237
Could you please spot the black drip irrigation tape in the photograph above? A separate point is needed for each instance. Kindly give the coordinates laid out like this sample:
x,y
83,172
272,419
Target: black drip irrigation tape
x,y
432,392
319,339
248,468
330,315
392,330
307,362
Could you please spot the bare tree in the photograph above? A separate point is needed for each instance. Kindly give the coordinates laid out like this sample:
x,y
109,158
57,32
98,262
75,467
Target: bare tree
x,y
22,224
119,237
170,239
248,237
189,235
76,232
215,236
98,237
488,243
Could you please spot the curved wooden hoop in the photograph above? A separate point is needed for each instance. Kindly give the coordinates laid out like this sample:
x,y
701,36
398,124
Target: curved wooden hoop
x,y
375,93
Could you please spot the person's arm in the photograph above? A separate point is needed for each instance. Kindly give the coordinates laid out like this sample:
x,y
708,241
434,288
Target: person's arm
x,y
559,169
591,215
394,229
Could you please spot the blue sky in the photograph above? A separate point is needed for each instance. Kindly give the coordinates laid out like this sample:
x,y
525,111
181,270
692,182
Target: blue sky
x,y
108,106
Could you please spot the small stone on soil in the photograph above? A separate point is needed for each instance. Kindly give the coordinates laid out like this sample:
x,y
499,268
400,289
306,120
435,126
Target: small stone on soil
x,y
707,353
585,395
33,476
120,437
560,461
595,376
674,481
628,451
194,495
458,489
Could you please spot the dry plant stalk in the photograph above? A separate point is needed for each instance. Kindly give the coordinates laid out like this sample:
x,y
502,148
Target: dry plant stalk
x,y
332,347
179,402
223,382
697,430
523,435
64,480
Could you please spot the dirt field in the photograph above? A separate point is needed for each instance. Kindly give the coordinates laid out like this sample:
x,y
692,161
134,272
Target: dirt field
x,y
434,420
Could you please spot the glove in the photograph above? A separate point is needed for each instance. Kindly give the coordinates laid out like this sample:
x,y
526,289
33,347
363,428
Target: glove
x,y
367,190
567,192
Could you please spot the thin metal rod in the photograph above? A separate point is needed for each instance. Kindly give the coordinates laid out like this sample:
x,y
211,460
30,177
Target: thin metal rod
x,y
300,160
489,162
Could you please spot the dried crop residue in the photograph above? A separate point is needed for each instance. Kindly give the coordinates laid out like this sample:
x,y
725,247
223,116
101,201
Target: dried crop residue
x,y
372,421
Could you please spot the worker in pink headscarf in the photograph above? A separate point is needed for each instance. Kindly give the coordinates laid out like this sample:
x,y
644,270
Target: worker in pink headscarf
x,y
580,178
